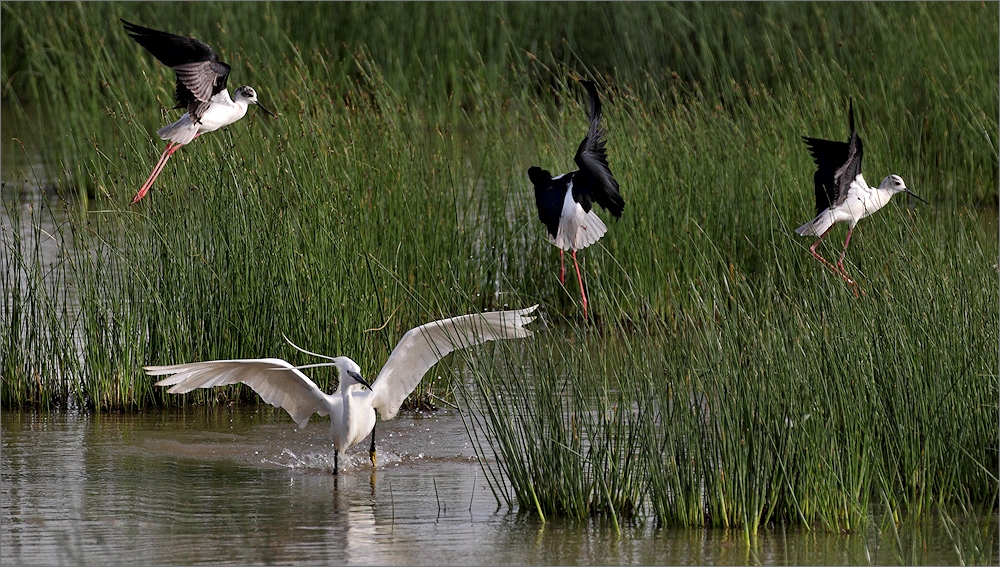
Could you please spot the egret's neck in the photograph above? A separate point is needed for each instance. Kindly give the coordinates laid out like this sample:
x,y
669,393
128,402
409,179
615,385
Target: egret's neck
x,y
344,383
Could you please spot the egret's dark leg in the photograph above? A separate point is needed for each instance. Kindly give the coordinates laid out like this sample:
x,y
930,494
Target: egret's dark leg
x,y
336,468
840,271
371,450
579,278
152,175
562,268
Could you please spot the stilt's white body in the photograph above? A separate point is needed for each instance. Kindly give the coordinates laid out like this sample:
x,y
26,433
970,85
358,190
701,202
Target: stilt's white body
x,y
861,201
223,111
577,229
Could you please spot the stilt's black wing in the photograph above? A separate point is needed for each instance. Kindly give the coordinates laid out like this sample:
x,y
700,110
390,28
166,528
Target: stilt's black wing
x,y
200,74
595,176
837,164
549,198
852,167
829,156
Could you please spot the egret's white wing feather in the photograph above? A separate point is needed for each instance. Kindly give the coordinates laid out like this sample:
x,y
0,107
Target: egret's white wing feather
x,y
421,347
276,381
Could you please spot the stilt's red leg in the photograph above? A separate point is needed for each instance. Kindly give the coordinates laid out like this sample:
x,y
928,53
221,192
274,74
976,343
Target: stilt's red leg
x,y
818,256
839,268
579,278
167,152
562,268
840,263
843,270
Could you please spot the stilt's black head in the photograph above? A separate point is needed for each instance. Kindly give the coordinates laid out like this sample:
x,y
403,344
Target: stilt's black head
x,y
539,177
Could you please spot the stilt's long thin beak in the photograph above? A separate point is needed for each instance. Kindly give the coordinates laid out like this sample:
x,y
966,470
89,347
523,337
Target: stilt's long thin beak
x,y
908,192
264,108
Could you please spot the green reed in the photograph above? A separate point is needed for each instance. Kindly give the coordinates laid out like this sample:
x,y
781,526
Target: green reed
x,y
725,377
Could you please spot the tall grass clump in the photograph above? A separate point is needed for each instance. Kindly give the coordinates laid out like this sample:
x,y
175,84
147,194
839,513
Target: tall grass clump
x,y
725,378
736,424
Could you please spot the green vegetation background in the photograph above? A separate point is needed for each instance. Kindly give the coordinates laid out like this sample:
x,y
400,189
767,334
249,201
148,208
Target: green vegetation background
x,y
391,190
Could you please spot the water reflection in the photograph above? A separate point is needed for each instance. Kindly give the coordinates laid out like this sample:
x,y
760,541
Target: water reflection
x,y
242,485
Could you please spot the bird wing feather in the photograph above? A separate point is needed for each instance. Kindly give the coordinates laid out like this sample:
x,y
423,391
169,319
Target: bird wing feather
x,y
837,164
421,348
276,381
850,169
592,158
200,74
828,155
199,81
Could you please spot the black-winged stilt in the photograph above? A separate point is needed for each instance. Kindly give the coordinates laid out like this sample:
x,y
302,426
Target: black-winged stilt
x,y
565,203
352,406
842,195
201,89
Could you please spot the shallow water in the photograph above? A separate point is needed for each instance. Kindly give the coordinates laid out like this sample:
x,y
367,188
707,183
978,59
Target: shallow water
x,y
241,485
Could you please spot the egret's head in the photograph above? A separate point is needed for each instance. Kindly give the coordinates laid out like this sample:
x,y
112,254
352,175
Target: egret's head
x,y
248,95
894,184
350,373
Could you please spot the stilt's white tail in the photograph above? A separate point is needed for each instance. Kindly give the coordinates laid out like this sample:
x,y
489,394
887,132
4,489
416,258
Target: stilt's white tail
x,y
580,232
818,226
181,132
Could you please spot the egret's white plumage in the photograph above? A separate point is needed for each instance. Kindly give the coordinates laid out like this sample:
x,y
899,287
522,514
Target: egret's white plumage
x,y
351,406
223,111
861,201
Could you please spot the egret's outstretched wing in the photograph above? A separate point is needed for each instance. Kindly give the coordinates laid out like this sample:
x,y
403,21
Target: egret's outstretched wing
x,y
829,156
549,198
276,381
421,347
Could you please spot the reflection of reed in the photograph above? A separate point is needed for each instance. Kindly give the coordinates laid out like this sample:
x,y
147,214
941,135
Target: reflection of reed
x,y
109,496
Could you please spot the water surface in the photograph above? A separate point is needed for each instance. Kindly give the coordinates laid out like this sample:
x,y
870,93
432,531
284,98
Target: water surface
x,y
242,485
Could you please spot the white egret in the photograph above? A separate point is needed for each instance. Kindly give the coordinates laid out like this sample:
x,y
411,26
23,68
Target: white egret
x,y
565,203
201,89
842,195
352,406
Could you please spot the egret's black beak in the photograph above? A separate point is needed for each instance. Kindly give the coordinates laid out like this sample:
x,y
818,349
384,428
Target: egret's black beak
x,y
357,377
264,108
908,192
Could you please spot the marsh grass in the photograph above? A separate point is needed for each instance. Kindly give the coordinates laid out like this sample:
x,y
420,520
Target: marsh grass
x,y
725,377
